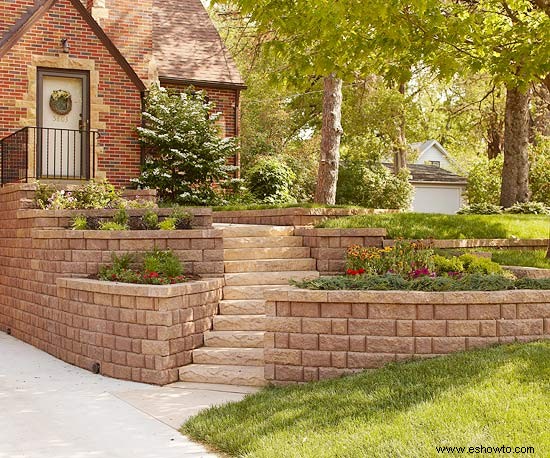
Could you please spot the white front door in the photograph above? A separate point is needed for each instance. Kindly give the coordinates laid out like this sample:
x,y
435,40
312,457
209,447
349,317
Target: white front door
x,y
62,131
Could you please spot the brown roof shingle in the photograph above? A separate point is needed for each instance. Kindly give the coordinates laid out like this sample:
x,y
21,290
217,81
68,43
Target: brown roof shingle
x,y
187,46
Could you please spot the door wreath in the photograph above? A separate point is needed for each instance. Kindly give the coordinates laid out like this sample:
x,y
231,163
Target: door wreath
x,y
61,102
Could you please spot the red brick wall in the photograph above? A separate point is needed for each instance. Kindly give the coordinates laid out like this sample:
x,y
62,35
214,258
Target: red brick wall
x,y
11,11
314,335
121,158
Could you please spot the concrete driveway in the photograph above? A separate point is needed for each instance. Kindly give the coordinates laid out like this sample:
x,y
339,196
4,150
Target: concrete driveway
x,y
49,409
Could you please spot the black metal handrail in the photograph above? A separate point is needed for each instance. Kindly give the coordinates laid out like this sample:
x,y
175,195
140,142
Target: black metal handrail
x,y
60,154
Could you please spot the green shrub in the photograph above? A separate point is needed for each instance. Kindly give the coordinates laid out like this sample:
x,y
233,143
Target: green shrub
x,y
183,219
373,186
79,223
480,209
529,208
96,195
476,265
443,264
532,283
111,226
163,262
187,153
150,220
43,195
484,181
539,173
270,180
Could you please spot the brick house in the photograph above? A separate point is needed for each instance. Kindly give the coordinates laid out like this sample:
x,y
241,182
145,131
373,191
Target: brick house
x,y
73,74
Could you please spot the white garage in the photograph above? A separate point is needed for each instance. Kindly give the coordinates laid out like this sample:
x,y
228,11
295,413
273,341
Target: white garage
x,y
436,190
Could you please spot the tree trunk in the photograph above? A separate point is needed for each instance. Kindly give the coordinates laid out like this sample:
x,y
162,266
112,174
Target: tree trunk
x,y
331,134
494,137
515,173
400,156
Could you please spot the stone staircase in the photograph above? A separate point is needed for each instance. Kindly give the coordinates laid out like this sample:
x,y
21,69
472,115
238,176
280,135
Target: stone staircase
x,y
256,258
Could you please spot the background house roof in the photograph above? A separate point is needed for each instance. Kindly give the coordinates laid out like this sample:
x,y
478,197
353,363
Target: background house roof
x,y
187,46
432,173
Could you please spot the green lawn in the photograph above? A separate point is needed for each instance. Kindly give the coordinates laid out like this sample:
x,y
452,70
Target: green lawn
x,y
525,258
242,207
485,398
424,226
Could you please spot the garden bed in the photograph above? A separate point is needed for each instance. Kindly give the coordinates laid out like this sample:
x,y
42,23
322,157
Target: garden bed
x,y
133,332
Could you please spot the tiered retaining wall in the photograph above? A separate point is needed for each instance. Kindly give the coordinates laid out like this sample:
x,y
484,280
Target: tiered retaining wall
x,y
314,335
34,255
290,216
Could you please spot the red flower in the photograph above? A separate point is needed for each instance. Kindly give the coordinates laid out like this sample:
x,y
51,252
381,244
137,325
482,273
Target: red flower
x,y
361,271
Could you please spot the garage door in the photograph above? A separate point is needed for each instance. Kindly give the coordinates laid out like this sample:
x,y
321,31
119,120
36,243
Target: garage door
x,y
437,199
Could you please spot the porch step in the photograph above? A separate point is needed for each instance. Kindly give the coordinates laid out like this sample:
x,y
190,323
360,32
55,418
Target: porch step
x,y
267,278
263,242
255,231
270,265
235,254
229,356
232,375
245,292
239,323
234,339
242,307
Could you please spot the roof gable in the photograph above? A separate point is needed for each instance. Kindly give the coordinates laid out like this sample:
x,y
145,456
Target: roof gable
x,y
187,46
21,27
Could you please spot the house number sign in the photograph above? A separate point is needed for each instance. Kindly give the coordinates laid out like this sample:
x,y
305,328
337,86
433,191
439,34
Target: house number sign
x,y
61,102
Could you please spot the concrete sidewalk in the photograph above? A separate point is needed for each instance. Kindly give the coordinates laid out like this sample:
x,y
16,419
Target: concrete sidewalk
x,y
50,409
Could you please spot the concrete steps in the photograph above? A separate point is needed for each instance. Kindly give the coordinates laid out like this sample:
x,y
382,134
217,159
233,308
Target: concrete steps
x,y
242,307
256,258
234,339
218,373
267,278
239,254
270,265
229,356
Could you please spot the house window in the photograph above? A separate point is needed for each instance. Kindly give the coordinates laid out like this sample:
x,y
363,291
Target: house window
x,y
436,163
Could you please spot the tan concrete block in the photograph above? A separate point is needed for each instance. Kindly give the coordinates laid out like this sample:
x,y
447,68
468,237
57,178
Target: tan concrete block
x,y
316,358
423,345
484,311
305,309
443,345
390,344
429,328
304,341
404,327
336,310
463,328
372,327
369,360
488,328
283,356
333,343
451,312
392,311
516,328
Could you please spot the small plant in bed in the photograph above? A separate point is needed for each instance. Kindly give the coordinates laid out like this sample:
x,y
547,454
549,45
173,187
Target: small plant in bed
x,y
158,268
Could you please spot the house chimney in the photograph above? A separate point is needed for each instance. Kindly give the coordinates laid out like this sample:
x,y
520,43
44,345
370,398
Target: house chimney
x,y
129,24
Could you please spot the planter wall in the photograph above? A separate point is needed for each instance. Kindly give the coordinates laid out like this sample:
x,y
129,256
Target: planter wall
x,y
314,335
134,332
33,258
290,216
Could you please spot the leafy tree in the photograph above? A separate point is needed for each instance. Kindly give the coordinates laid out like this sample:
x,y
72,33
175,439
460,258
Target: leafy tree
x,y
188,155
270,181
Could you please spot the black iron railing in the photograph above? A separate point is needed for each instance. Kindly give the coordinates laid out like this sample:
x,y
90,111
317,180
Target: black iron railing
x,y
60,154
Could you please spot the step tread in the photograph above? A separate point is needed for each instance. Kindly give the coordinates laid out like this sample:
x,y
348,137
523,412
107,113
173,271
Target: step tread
x,y
245,292
267,278
263,242
250,230
237,254
229,356
226,374
239,322
270,265
242,307
234,339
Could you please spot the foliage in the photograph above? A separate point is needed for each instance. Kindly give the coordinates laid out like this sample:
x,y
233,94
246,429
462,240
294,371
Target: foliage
x,y
484,180
523,258
401,410
189,155
91,195
121,217
111,226
270,180
466,282
432,226
159,268
168,224
405,258
182,218
480,209
165,263
150,220
477,265
79,223
444,265
539,175
372,185
529,208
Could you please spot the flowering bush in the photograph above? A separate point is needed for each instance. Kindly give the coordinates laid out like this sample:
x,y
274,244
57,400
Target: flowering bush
x,y
92,195
409,259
